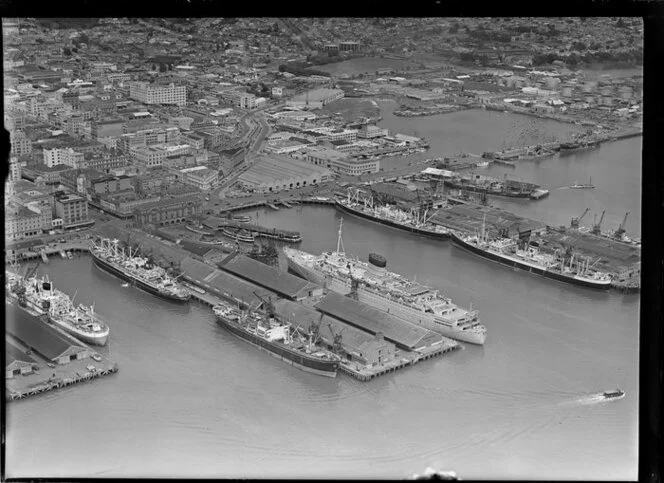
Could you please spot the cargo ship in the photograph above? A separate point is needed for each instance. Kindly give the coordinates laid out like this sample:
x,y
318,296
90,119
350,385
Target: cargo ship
x,y
524,256
137,270
279,339
615,394
417,221
41,296
491,186
387,291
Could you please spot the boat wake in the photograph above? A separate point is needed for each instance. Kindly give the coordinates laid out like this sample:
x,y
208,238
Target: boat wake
x,y
587,400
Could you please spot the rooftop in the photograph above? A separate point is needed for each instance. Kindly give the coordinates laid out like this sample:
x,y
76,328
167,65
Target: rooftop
x,y
271,278
372,321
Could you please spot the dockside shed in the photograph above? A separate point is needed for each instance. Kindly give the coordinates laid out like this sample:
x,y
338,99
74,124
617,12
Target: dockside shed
x,y
403,334
356,345
16,362
270,278
221,284
42,338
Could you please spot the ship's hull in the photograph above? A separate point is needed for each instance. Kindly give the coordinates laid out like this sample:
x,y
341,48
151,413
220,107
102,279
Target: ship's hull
x,y
479,189
392,224
107,267
294,358
99,340
381,303
529,268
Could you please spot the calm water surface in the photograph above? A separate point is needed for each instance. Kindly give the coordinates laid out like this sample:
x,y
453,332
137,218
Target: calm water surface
x,y
192,401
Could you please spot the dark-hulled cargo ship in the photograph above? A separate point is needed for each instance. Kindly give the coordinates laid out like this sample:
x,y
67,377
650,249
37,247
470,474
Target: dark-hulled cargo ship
x,y
138,271
279,339
526,257
415,222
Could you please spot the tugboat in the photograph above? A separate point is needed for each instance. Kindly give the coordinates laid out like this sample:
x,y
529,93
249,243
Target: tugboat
x,y
615,394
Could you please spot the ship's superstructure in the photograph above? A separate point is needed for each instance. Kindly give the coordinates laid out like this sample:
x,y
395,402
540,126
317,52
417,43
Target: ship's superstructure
x,y
41,297
278,338
561,266
417,220
372,284
137,270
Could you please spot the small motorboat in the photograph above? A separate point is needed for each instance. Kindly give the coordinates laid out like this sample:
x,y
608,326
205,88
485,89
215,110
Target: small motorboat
x,y
125,285
96,357
615,394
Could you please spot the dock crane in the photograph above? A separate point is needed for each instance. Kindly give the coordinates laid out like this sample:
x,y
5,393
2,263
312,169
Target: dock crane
x,y
618,234
575,221
597,226
268,306
336,344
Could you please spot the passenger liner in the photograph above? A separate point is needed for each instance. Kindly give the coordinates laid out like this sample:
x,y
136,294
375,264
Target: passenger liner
x,y
415,222
507,251
137,270
41,296
279,339
387,291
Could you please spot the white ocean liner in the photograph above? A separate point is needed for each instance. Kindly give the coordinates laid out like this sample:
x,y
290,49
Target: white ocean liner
x,y
387,291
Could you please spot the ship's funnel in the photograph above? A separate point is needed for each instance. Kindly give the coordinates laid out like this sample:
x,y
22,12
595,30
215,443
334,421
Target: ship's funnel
x,y
377,263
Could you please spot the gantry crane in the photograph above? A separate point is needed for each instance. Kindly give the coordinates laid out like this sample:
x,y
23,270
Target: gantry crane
x,y
598,226
621,229
575,221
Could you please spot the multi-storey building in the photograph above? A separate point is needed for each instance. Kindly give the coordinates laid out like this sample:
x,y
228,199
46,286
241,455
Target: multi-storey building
x,y
339,162
243,100
169,211
158,94
24,222
73,210
66,156
20,144
106,161
200,177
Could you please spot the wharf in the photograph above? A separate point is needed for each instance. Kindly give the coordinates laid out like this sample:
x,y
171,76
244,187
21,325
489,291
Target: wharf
x,y
373,321
48,251
44,375
614,256
469,218
313,200
215,223
354,341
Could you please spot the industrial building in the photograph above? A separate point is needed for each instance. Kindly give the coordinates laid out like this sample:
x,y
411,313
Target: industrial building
x,y
270,278
221,283
373,321
275,173
158,94
16,362
356,345
42,338
316,99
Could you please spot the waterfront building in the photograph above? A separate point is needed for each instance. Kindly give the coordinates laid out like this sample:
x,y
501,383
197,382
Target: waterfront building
x,y
158,94
169,211
16,362
73,210
341,163
286,285
42,338
370,132
275,173
316,99
26,221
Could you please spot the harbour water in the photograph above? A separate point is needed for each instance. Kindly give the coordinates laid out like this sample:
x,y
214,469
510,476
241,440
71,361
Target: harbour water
x,y
190,400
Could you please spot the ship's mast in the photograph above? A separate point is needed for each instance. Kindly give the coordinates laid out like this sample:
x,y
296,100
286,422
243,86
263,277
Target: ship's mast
x,y
340,243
